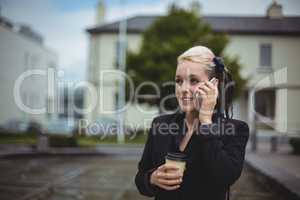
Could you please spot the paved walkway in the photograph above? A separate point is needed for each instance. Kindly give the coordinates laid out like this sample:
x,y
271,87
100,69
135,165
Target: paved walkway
x,y
103,149
280,170
67,177
281,167
96,178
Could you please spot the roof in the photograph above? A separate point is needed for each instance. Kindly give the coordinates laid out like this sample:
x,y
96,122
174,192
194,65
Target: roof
x,y
22,29
228,24
5,22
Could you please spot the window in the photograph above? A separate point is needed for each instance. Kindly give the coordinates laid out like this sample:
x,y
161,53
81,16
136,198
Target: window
x,y
265,55
265,103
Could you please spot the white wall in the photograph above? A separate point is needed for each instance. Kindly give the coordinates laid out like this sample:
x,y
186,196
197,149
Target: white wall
x,y
19,54
285,54
103,57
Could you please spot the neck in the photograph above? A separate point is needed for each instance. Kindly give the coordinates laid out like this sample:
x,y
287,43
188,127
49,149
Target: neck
x,y
191,117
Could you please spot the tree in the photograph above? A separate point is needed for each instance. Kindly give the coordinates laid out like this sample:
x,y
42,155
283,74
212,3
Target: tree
x,y
163,42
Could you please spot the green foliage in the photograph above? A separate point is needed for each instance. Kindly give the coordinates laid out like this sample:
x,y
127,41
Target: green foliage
x,y
17,138
62,141
164,41
234,68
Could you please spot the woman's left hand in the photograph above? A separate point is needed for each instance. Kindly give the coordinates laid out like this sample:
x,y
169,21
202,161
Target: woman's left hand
x,y
208,92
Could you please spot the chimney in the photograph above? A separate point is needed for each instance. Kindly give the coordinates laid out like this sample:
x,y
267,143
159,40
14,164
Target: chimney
x,y
100,12
274,11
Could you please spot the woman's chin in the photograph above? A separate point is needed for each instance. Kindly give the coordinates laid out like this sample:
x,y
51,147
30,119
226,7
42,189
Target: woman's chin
x,y
187,108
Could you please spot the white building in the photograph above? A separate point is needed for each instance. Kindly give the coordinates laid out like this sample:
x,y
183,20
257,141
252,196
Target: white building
x,y
266,45
21,51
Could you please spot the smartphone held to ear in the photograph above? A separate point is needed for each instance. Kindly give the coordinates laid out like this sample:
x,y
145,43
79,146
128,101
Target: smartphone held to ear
x,y
198,96
213,80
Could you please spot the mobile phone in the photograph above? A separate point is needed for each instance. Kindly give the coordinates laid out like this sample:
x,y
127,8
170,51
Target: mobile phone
x,y
211,80
198,96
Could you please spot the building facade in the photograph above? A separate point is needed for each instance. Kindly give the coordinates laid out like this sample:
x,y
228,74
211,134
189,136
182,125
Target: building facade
x,y
267,47
25,63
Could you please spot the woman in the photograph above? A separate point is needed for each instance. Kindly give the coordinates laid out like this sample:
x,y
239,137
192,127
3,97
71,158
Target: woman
x,y
213,143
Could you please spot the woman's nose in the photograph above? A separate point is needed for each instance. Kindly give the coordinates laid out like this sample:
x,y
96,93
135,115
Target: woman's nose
x,y
186,87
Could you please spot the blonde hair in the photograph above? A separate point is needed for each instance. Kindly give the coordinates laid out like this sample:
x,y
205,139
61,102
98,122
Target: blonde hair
x,y
199,54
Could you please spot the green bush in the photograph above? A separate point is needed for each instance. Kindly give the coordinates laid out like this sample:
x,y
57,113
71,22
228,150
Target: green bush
x,y
17,138
62,141
295,143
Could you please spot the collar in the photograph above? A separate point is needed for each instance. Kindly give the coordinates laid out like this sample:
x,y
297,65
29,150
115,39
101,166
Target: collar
x,y
180,120
180,116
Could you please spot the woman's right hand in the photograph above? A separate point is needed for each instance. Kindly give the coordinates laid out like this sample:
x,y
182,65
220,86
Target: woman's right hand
x,y
166,177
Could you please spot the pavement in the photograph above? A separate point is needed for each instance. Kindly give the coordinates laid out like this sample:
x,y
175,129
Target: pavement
x,y
96,177
276,173
67,177
282,168
7,150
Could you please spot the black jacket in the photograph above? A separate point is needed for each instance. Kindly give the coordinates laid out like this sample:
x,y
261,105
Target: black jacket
x,y
215,160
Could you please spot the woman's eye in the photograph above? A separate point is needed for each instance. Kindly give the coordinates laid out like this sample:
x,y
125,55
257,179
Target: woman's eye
x,y
194,81
178,81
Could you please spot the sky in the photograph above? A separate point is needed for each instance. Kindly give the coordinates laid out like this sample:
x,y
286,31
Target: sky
x,y
63,22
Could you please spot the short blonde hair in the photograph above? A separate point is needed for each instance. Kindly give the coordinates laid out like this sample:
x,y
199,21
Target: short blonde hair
x,y
199,54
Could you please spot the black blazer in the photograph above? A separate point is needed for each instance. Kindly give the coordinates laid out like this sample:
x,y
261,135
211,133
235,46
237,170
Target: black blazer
x,y
216,158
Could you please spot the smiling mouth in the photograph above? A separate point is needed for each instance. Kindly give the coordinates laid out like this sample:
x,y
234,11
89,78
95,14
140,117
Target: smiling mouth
x,y
187,99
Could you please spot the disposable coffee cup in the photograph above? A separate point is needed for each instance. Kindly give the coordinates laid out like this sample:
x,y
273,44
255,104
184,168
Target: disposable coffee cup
x,y
176,159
